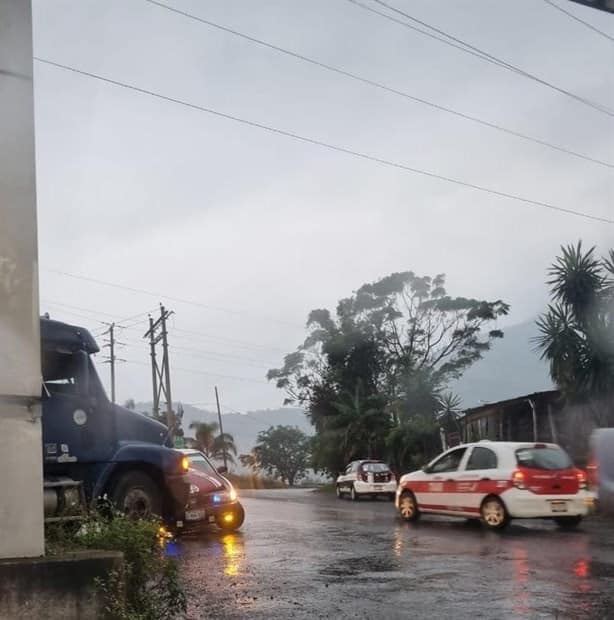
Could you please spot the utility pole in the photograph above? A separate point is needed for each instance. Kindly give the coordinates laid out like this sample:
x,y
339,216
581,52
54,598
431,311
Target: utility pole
x,y
219,417
160,373
112,359
21,467
155,409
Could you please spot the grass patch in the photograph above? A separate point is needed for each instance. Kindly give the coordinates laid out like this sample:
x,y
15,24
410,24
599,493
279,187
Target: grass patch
x,y
253,481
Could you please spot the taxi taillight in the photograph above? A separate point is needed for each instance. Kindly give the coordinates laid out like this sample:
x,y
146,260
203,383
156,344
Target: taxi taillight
x,y
582,481
518,479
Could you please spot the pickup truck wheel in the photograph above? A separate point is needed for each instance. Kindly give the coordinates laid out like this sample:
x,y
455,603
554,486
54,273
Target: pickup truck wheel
x,y
137,496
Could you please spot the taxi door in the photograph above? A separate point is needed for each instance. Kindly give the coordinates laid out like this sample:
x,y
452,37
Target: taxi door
x,y
437,490
476,479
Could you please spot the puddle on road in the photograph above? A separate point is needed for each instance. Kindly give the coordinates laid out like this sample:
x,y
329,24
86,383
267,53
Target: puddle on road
x,y
351,567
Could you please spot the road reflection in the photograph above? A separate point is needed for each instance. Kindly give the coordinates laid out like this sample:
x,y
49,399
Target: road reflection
x,y
234,553
569,571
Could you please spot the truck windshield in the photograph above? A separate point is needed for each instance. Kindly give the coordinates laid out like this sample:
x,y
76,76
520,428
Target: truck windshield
x,y
61,373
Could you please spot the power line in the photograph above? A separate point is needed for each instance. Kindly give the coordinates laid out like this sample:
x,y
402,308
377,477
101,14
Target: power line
x,y
576,18
133,289
380,85
332,147
118,323
208,374
245,343
184,334
476,51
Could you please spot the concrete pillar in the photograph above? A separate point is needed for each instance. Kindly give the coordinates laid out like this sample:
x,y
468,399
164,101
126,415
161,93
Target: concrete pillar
x,y
21,478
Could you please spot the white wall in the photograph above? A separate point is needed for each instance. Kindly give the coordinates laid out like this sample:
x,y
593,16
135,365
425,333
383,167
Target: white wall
x,y
21,487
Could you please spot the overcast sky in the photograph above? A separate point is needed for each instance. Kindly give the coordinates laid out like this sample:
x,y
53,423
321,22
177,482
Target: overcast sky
x,y
259,228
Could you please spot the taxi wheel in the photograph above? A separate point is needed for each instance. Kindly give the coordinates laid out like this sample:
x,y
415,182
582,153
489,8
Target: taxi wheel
x,y
338,492
408,507
353,495
568,523
494,514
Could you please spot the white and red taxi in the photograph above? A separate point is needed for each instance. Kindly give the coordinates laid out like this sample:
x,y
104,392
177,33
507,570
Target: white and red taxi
x,y
366,478
497,481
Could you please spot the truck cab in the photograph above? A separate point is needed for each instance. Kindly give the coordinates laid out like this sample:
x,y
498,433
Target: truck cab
x,y
104,450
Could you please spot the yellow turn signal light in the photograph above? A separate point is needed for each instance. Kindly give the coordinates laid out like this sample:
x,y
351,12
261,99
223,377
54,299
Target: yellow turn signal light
x,y
185,463
229,517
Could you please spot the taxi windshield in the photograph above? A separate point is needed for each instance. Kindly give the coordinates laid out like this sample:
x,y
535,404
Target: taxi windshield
x,y
200,462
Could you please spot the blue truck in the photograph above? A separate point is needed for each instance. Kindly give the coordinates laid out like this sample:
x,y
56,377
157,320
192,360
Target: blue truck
x,y
94,449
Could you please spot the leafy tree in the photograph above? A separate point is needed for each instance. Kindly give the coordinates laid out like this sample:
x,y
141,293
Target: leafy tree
x,y
397,342
577,330
282,452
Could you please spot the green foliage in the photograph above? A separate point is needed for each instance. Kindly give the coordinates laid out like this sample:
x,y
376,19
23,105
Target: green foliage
x,y
281,452
577,330
381,361
149,588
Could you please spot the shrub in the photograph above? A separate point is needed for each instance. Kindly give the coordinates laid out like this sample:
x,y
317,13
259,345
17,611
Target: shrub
x,y
150,587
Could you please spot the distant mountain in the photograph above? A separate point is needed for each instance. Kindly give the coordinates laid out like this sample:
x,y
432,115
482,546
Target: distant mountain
x,y
244,427
511,368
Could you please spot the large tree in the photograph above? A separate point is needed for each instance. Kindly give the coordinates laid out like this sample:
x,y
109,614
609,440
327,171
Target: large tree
x,y
577,330
282,452
396,343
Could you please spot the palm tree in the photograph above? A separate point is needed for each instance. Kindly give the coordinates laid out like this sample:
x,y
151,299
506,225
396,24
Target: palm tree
x,y
577,331
224,447
205,433
213,444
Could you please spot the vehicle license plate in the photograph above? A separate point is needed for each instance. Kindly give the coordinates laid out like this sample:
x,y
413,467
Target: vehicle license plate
x,y
194,515
559,506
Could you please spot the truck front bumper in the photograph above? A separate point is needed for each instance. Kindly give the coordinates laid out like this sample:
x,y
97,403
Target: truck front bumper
x,y
178,486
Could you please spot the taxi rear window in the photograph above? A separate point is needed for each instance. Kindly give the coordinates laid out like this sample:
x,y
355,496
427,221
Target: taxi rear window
x,y
543,458
375,467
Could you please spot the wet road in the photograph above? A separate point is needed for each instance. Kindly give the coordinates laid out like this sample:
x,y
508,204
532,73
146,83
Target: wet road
x,y
302,554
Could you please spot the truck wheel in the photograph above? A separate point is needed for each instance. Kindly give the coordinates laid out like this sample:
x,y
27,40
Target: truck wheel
x,y
231,524
137,496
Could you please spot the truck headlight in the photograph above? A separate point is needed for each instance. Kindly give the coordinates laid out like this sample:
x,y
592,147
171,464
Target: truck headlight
x,y
233,494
